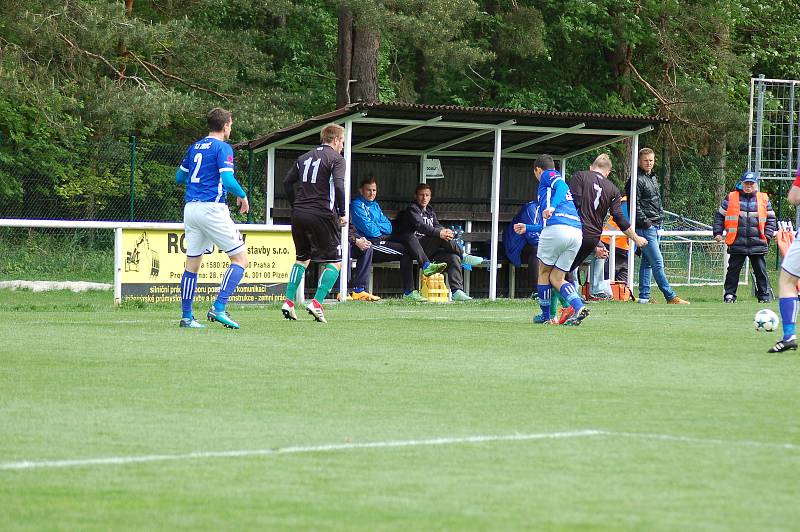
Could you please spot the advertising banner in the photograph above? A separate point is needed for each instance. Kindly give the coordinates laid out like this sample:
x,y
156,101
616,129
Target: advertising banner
x,y
153,262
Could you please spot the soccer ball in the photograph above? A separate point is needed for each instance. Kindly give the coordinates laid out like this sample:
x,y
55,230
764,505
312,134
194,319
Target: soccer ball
x,y
765,320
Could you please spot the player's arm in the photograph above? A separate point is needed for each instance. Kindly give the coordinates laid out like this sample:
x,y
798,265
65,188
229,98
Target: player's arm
x,y
361,220
414,214
337,172
794,193
226,174
559,193
383,223
182,176
182,173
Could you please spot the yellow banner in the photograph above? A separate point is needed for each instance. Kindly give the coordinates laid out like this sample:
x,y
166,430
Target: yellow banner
x,y
153,263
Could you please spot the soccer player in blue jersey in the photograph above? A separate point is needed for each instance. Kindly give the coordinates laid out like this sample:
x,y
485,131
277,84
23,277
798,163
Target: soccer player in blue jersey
x,y
207,172
559,241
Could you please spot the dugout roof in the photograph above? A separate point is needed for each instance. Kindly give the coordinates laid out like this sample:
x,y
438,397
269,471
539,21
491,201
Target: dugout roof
x,y
450,130
433,131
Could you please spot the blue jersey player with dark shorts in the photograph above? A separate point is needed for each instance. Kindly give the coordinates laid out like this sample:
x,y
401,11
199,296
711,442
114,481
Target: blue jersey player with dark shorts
x,y
559,241
207,172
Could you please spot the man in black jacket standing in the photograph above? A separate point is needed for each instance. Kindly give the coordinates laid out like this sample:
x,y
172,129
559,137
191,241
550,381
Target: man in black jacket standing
x,y
418,228
649,217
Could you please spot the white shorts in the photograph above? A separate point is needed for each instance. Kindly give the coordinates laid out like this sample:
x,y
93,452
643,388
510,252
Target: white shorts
x,y
208,224
558,245
791,262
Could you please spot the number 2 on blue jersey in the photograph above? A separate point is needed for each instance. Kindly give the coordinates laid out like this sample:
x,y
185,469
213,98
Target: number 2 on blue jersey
x,y
198,160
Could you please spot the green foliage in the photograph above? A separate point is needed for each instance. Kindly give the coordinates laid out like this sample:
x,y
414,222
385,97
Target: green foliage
x,y
84,71
57,255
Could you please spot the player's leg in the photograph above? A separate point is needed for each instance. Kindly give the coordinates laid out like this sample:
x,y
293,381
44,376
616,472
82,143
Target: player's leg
x,y
360,277
326,237
543,290
451,257
224,234
788,303
196,246
431,246
386,251
735,263
570,239
302,246
758,263
188,288
645,270
547,254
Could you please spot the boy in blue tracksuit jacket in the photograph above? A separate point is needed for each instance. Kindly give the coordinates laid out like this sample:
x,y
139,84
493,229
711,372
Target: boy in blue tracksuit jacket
x,y
523,248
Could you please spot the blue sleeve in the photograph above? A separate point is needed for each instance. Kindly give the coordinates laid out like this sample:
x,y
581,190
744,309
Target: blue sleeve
x,y
231,185
225,165
560,189
225,157
384,224
533,228
363,223
186,164
181,176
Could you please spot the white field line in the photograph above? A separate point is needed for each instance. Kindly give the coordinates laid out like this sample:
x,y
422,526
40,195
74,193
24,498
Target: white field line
x,y
121,460
691,439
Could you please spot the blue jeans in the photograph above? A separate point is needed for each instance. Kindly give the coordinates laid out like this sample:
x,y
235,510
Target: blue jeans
x,y
652,261
598,285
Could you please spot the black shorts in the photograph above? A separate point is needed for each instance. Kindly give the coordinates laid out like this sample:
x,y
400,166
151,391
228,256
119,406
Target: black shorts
x,y
316,237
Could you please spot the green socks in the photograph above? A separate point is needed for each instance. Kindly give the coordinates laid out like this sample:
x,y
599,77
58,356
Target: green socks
x,y
326,281
556,301
298,270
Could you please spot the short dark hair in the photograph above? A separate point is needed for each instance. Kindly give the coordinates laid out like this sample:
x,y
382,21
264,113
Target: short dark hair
x,y
217,118
367,181
545,162
422,186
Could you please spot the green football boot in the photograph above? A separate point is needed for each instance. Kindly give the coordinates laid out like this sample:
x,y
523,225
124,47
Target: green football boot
x,y
414,297
433,268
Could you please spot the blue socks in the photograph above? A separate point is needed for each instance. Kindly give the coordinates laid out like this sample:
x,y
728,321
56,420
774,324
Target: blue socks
x,y
543,290
188,287
788,308
228,285
569,293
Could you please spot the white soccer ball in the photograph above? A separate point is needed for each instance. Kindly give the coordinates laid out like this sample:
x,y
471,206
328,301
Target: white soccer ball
x,y
765,320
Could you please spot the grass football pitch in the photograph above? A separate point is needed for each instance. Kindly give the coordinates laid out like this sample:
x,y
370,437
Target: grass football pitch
x,y
395,417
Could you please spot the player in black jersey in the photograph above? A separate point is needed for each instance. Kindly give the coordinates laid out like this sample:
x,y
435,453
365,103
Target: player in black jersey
x,y
315,188
595,196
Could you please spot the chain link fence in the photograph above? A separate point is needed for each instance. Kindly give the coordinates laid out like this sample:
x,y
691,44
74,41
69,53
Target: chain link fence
x,y
122,180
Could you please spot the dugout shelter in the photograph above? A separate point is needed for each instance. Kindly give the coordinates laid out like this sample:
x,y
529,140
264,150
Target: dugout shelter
x,y
401,134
